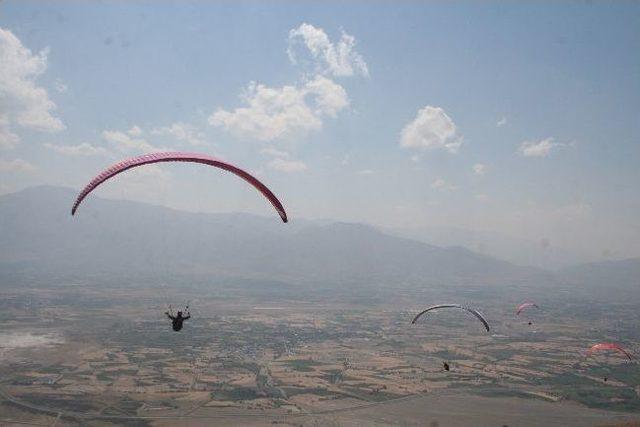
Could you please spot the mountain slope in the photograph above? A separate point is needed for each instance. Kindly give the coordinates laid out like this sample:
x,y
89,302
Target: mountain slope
x,y
123,240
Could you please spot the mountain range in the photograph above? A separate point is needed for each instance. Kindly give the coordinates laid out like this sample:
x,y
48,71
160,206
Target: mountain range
x,y
117,240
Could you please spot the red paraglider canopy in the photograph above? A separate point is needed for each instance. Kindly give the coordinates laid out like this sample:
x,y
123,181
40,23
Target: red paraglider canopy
x,y
178,157
524,305
608,346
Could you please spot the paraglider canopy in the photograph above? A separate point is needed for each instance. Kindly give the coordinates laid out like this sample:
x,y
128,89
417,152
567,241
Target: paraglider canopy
x,y
178,157
524,306
439,306
608,346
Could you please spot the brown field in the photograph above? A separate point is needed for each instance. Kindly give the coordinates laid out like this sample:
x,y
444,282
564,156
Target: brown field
x,y
253,361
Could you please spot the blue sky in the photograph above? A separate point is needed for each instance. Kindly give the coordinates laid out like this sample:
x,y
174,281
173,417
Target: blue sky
x,y
518,118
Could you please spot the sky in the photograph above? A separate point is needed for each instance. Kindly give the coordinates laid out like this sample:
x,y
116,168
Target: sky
x,y
519,118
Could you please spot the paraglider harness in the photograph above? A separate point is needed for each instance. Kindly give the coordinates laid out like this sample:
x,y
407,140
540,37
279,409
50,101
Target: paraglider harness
x,y
178,318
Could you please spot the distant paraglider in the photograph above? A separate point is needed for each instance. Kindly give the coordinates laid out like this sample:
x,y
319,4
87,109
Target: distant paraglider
x,y
608,346
178,157
439,306
524,306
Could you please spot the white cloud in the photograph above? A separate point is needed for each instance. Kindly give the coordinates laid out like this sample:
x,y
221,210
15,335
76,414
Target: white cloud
x,y
431,129
479,169
274,113
125,143
182,132
285,165
16,165
329,97
84,150
146,184
501,122
8,139
271,151
537,149
339,59
25,103
442,185
135,131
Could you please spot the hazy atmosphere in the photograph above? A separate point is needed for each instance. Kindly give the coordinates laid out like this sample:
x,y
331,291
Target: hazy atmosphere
x,y
517,128
482,153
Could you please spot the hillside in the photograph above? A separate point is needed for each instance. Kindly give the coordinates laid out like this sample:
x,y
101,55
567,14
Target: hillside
x,y
116,240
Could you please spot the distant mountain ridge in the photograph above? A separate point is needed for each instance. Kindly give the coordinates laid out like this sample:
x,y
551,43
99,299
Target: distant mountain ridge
x,y
542,254
125,240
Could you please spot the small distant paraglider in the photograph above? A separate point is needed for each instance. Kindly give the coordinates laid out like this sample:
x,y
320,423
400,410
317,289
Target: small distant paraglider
x,y
458,306
608,346
525,306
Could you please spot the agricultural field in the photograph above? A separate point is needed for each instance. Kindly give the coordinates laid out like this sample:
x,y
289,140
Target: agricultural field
x,y
88,354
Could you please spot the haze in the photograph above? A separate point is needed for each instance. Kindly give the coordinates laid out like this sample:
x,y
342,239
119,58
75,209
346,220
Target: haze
x,y
510,129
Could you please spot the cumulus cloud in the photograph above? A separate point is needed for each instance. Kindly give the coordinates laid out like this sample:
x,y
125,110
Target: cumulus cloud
x,y
501,122
8,139
16,165
81,150
479,169
282,161
21,99
135,131
148,183
328,97
431,129
125,143
273,113
182,132
537,149
338,59
271,151
286,165
442,185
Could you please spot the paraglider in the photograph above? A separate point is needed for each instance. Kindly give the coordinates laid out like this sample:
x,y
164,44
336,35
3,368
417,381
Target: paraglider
x,y
524,306
608,346
439,306
178,319
604,346
178,157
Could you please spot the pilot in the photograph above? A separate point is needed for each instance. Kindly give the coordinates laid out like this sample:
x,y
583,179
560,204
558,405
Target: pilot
x,y
177,320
